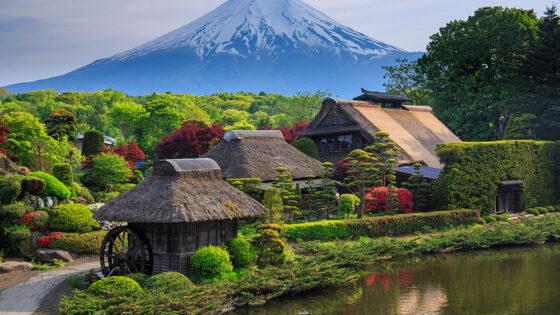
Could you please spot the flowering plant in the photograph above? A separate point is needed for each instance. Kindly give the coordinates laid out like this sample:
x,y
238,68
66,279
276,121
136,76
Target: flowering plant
x,y
43,241
36,220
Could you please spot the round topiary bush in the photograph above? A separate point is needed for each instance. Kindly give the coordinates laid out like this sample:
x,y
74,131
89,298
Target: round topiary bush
x,y
168,281
242,253
113,286
53,187
63,172
72,218
10,189
307,146
551,208
532,211
211,262
138,277
542,210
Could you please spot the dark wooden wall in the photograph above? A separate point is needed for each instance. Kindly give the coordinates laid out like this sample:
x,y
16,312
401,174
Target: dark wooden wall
x,y
174,244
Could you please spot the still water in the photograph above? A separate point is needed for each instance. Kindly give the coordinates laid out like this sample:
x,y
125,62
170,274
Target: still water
x,y
506,281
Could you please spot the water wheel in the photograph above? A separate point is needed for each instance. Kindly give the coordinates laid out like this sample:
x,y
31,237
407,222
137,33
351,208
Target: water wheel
x,y
125,250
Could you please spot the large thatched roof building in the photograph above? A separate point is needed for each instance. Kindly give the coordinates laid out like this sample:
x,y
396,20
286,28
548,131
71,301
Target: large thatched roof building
x,y
344,125
257,153
183,205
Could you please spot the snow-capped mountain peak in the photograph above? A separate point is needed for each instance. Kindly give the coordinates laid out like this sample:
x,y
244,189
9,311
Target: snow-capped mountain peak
x,y
246,27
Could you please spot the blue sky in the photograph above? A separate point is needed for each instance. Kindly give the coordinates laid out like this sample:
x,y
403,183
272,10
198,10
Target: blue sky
x,y
40,39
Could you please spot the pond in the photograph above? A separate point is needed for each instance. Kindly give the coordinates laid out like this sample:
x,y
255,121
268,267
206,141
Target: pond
x,y
506,281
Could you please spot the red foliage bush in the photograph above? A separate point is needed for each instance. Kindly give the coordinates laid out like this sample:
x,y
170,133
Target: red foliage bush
x,y
376,199
131,152
43,241
35,220
291,134
190,141
3,136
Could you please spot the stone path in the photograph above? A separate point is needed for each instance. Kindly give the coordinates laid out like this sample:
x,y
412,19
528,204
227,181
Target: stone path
x,y
25,298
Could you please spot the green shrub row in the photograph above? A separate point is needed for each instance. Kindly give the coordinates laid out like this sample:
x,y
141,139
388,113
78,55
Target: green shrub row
x,y
79,243
379,226
473,170
543,210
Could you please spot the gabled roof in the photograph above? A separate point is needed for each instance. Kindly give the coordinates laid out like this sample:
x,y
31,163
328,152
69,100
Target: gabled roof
x,y
380,97
187,190
414,129
257,154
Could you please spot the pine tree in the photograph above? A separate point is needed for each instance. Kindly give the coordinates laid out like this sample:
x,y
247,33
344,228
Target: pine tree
x,y
362,174
290,196
386,151
322,200
421,189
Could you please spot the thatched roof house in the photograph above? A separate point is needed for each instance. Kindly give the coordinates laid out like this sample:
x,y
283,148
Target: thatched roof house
x,y
257,153
344,125
188,190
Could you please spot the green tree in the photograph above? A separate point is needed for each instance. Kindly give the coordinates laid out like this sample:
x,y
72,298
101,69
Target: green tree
x,y
106,169
93,142
241,125
290,197
347,204
272,200
61,124
232,116
361,174
403,79
302,107
470,68
421,189
323,198
127,116
307,146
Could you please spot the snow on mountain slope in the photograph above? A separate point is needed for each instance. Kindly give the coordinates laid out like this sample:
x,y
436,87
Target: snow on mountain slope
x,y
277,46
244,27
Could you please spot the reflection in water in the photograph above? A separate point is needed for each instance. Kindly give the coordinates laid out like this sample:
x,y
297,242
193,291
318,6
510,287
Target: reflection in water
x,y
507,281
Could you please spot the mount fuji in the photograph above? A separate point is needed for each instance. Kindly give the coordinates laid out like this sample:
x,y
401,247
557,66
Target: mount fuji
x,y
277,46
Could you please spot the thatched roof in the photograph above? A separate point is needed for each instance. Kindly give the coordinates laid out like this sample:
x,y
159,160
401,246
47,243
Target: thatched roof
x,y
414,129
187,190
257,153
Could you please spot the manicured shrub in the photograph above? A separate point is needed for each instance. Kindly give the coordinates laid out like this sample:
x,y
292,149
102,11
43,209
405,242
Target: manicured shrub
x,y
504,217
106,169
307,146
36,220
13,238
241,252
347,203
377,199
13,213
93,142
272,200
168,281
211,262
102,197
79,243
53,187
10,189
114,286
551,208
72,218
379,226
271,249
542,210
533,211
489,219
138,277
63,172
473,170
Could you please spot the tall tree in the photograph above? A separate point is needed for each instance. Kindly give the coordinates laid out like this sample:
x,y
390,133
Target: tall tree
x,y
470,68
290,196
61,124
403,79
361,174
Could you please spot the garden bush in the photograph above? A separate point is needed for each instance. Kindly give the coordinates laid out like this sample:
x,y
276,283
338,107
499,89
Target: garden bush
x,y
551,208
106,169
542,210
270,248
168,281
473,170
53,187
13,237
13,213
307,146
102,197
10,189
241,252
63,172
93,142
114,286
377,200
79,243
36,220
533,211
138,277
211,262
380,226
72,218
489,219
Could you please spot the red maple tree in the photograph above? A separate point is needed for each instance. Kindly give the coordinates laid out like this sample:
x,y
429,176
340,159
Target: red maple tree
x,y
190,141
376,199
131,152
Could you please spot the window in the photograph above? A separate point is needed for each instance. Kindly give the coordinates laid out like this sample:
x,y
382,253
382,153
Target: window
x,y
335,144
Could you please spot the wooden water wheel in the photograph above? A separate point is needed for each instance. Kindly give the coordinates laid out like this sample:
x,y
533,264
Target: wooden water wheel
x,y
125,250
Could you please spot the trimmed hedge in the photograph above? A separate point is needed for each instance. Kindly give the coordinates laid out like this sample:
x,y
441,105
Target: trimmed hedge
x,y
242,253
211,262
72,218
473,170
93,142
53,187
63,172
114,286
79,243
168,281
307,146
390,225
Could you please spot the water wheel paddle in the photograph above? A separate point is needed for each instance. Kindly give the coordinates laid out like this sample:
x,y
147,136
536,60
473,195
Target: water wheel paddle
x,y
125,250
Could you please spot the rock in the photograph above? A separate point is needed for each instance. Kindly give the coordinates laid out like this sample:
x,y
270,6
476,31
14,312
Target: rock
x,y
10,266
46,255
33,186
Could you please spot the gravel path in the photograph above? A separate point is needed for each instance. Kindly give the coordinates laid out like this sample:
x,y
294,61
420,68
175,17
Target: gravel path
x,y
26,298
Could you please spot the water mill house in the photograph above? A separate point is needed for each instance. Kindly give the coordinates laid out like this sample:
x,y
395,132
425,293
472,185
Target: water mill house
x,y
183,205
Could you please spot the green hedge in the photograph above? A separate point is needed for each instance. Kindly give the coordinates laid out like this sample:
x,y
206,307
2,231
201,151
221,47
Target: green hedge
x,y
79,243
53,187
473,170
379,226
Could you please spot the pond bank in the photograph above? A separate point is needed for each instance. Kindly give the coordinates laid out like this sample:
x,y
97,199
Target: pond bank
x,y
318,265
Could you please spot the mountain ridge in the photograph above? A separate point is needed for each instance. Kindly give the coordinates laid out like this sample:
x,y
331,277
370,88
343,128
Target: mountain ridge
x,y
282,46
